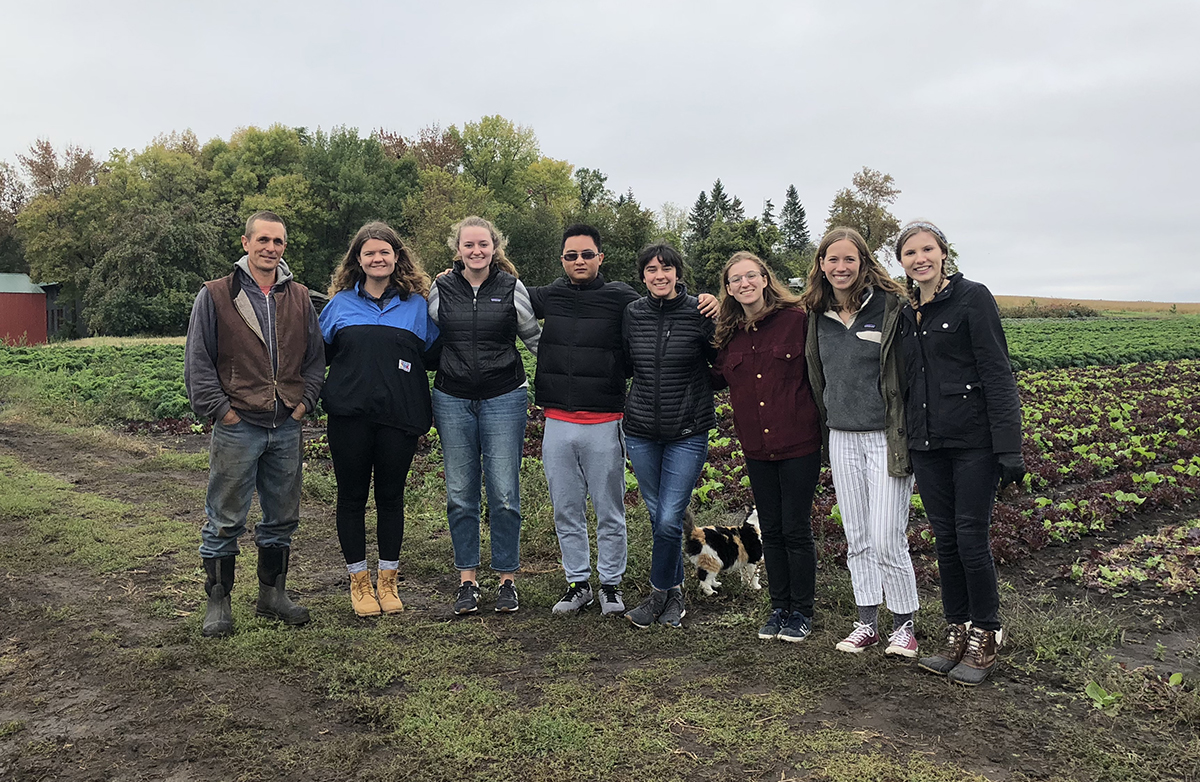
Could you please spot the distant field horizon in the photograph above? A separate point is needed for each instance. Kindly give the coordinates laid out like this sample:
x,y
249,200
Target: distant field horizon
x,y
1103,304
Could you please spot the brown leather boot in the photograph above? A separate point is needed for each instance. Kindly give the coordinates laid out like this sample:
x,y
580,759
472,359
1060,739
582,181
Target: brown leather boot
x,y
389,600
979,658
362,594
951,651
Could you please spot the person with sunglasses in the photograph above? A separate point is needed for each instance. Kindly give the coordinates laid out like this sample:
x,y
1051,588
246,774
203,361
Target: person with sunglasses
x,y
580,381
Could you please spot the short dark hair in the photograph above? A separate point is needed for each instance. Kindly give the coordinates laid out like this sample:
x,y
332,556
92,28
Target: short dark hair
x,y
666,255
581,229
264,215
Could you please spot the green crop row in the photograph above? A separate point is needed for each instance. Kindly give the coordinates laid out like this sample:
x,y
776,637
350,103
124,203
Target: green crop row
x,y
1053,343
98,383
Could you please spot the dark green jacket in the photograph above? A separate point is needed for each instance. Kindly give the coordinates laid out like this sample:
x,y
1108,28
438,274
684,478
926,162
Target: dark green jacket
x,y
892,379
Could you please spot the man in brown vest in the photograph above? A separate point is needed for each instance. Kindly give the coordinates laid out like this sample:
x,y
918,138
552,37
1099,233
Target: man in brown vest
x,y
255,363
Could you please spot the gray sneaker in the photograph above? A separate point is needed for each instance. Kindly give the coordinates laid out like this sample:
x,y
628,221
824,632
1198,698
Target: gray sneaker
x,y
611,600
648,610
506,598
577,598
796,628
673,612
467,599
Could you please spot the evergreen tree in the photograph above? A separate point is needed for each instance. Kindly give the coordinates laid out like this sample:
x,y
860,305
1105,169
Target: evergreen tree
x,y
768,214
701,219
793,223
720,201
737,212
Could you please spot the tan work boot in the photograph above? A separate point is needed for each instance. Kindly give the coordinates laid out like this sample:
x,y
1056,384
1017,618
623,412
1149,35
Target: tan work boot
x,y
951,651
362,594
389,600
979,659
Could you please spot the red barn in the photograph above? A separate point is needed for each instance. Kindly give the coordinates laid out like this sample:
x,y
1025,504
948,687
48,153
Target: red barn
x,y
22,311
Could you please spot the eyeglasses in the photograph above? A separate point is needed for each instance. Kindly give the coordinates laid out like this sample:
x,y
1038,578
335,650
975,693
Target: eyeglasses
x,y
572,256
748,276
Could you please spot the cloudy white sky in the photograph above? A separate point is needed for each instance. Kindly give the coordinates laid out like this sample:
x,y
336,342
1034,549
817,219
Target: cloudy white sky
x,y
1056,143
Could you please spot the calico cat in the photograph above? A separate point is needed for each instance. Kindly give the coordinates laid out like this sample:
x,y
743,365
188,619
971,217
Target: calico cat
x,y
716,550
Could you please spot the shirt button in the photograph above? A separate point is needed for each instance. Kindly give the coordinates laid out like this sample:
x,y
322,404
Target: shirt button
x,y
759,377
922,404
968,386
762,404
945,325
927,442
924,332
789,355
766,431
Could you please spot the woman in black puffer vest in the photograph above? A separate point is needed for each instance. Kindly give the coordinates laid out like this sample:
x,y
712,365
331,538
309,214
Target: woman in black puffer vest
x,y
480,403
668,413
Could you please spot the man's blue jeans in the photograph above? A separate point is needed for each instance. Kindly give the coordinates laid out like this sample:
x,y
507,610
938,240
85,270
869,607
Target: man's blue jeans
x,y
667,472
243,457
483,436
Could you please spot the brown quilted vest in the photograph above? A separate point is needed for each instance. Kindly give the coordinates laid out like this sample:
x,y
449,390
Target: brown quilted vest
x,y
243,359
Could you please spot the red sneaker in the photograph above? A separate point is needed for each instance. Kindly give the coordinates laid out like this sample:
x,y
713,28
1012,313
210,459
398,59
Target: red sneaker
x,y
902,642
860,638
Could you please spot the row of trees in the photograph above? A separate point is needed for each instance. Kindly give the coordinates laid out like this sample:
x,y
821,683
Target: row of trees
x,y
131,238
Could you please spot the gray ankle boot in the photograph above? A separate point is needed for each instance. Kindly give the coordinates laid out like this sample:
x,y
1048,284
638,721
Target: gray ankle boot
x,y
218,616
273,600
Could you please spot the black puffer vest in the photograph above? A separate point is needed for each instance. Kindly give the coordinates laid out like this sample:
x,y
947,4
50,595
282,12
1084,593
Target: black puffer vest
x,y
479,333
669,345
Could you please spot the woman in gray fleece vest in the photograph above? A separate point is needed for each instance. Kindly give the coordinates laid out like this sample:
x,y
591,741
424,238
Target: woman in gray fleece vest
x,y
855,368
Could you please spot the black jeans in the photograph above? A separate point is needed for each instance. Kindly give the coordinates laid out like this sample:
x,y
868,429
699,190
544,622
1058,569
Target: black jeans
x,y
958,487
358,446
783,493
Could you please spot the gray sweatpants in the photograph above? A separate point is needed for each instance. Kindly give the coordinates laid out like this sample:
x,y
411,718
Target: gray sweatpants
x,y
583,459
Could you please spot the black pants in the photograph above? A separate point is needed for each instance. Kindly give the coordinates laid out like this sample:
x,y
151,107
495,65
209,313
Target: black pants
x,y
958,487
357,447
783,493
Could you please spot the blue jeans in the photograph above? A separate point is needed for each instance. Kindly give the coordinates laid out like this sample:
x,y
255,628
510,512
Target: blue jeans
x,y
667,472
483,436
243,457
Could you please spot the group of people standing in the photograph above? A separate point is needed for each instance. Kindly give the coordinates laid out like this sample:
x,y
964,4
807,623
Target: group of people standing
x,y
894,381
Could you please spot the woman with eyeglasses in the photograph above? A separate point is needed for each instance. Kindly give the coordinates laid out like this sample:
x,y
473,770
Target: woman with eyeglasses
x,y
854,362
760,342
480,403
668,413
964,438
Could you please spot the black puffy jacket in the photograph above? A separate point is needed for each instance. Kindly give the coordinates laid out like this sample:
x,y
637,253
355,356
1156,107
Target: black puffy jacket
x,y
479,333
668,343
960,392
581,358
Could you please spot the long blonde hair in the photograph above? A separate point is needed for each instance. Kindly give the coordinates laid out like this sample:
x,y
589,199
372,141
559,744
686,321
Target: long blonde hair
x,y
731,316
820,297
408,276
499,242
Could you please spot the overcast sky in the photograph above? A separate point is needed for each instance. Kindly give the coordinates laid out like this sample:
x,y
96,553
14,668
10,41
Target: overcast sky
x,y
1056,143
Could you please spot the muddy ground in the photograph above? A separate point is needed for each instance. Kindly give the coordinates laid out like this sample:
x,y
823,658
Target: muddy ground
x,y
76,703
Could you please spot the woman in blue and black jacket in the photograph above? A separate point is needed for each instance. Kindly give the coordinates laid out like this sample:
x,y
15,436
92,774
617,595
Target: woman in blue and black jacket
x,y
964,438
379,343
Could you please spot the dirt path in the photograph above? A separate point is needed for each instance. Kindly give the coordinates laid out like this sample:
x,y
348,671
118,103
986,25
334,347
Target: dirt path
x,y
99,677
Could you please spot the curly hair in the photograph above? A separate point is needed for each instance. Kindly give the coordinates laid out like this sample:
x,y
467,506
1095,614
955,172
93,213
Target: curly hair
x,y
819,295
499,242
731,316
408,276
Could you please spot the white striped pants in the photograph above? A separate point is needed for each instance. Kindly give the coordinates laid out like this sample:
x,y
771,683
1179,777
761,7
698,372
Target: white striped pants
x,y
874,508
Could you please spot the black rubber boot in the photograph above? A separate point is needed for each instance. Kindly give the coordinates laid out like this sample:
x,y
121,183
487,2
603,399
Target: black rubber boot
x,y
273,601
218,616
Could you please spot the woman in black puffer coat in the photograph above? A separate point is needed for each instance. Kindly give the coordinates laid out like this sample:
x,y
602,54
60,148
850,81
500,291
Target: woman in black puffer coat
x,y
964,437
668,413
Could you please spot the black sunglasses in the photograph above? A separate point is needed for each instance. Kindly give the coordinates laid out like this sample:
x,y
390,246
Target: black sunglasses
x,y
586,255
